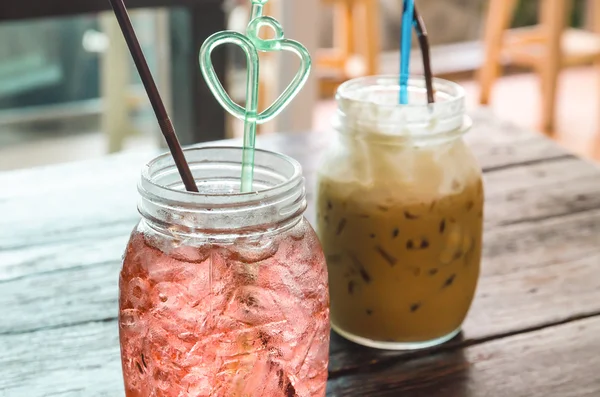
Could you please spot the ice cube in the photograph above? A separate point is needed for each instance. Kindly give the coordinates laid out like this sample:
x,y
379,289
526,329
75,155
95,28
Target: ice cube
x,y
137,292
132,320
317,355
184,322
190,253
197,383
278,277
240,342
251,251
163,379
198,355
257,378
172,309
254,305
164,349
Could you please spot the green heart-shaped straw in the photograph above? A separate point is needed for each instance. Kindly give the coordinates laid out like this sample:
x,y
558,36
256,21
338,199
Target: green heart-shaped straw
x,y
251,44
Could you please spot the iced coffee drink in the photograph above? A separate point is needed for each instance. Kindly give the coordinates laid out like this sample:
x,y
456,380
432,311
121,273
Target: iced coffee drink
x,y
400,221
400,271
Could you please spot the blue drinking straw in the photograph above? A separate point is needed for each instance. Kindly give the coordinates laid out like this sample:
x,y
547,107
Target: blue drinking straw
x,y
406,43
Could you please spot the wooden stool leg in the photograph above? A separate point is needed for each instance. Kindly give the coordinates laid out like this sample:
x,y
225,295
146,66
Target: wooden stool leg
x,y
343,38
114,85
553,17
265,85
498,20
367,34
336,58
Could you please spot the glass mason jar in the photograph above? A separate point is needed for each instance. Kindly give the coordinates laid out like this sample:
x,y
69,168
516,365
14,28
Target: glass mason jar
x,y
222,293
400,208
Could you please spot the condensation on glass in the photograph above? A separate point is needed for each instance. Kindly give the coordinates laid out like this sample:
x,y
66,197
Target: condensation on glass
x,y
222,293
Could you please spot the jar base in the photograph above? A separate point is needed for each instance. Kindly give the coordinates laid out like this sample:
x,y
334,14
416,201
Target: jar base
x,y
395,345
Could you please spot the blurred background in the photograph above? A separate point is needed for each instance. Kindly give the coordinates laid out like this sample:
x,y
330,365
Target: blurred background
x,y
69,91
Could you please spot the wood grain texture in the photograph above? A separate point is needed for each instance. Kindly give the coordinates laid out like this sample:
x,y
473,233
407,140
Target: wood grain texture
x,y
75,361
566,247
533,274
64,229
559,361
536,364
43,213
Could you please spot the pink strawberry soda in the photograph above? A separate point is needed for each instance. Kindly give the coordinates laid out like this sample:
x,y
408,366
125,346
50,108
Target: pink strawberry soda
x,y
223,294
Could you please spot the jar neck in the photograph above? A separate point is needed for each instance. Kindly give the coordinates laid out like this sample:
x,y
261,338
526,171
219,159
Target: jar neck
x,y
368,109
218,211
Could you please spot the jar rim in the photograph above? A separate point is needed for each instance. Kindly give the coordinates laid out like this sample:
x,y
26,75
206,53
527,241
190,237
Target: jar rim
x,y
279,197
452,91
148,181
368,107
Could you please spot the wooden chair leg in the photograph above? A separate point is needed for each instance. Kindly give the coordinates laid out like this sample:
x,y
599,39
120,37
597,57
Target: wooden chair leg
x,y
265,85
553,18
336,58
115,82
367,34
498,21
343,38
298,116
356,41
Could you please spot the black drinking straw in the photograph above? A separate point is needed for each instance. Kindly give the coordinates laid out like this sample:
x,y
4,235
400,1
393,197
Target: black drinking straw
x,y
166,126
424,44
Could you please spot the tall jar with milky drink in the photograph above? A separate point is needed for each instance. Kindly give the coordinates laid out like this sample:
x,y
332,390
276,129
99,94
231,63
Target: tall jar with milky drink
x,y
400,214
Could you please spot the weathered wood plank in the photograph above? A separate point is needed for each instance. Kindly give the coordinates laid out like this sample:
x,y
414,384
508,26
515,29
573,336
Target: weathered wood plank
x,y
500,144
76,361
64,229
77,252
63,203
526,192
532,274
59,299
50,205
496,144
561,361
523,285
537,191
77,209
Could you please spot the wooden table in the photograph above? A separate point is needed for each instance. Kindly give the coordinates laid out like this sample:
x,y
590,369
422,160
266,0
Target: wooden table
x,y
534,329
196,114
